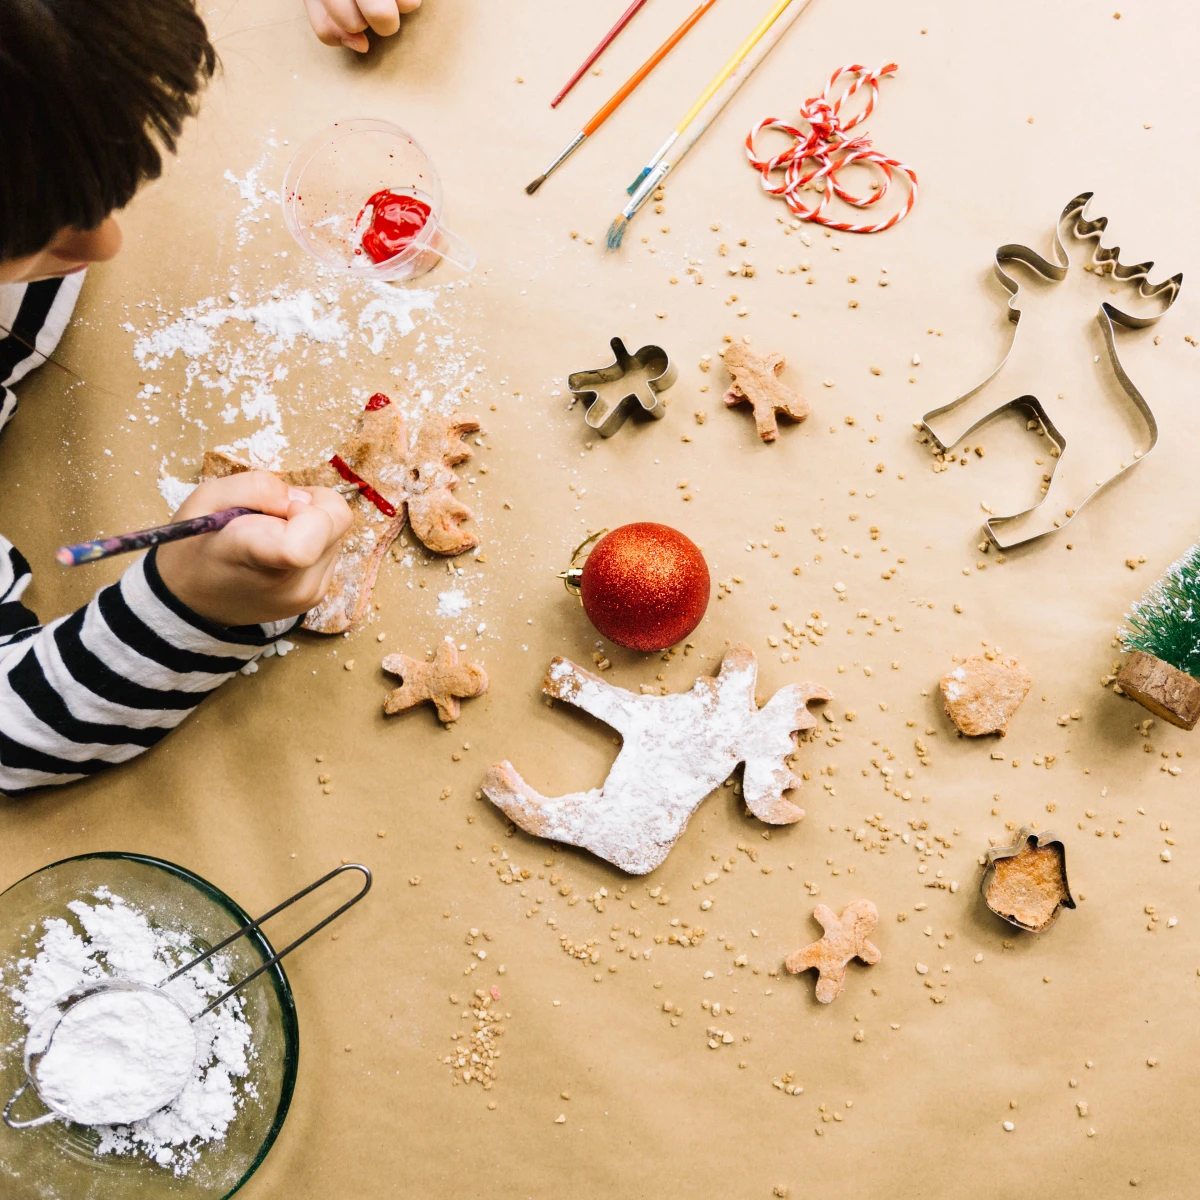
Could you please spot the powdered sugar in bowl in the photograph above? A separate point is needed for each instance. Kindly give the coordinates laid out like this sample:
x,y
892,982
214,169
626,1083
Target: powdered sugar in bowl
x,y
110,1053
85,921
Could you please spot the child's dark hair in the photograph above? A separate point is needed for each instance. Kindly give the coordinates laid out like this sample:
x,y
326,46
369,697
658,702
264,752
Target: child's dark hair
x,y
91,93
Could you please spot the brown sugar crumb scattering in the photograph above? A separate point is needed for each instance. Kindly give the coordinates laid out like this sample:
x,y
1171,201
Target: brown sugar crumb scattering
x,y
443,681
981,694
475,1054
845,938
412,476
755,382
1026,883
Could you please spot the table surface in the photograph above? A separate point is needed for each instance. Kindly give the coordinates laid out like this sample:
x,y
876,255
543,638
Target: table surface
x,y
1006,114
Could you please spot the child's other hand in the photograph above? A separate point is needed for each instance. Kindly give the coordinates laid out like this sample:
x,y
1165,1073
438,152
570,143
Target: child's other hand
x,y
258,568
343,22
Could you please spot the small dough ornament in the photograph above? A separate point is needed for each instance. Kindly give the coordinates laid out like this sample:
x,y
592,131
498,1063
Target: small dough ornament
x,y
401,477
444,681
981,694
1162,638
644,586
675,750
845,938
755,381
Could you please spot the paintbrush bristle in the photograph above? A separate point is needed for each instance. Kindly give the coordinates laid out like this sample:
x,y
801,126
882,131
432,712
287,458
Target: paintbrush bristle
x,y
530,188
616,232
637,183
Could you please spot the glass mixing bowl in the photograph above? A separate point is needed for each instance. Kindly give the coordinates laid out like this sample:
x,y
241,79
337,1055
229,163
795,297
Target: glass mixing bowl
x,y
56,1161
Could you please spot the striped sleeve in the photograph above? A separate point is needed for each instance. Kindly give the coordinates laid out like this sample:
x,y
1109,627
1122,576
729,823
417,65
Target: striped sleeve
x,y
107,682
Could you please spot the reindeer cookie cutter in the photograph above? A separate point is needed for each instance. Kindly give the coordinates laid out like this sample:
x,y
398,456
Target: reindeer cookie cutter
x,y
607,418
1105,260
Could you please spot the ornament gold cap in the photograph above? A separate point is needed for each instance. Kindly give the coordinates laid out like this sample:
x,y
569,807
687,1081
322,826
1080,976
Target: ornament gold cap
x,y
574,573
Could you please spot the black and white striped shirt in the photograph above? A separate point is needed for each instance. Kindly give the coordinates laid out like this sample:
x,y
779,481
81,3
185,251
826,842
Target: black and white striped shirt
x,y
107,682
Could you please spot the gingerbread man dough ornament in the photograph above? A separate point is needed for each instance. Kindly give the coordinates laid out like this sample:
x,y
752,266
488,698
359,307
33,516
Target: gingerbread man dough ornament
x,y
444,682
755,381
402,477
676,749
845,938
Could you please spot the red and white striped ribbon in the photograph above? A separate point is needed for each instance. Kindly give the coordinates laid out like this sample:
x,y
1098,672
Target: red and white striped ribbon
x,y
828,148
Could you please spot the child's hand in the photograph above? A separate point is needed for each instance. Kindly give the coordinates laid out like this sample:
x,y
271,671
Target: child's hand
x,y
258,568
342,22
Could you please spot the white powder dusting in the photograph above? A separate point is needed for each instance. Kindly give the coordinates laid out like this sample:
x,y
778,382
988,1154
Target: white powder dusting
x,y
117,941
174,491
391,312
253,194
117,1057
284,318
263,346
675,750
453,603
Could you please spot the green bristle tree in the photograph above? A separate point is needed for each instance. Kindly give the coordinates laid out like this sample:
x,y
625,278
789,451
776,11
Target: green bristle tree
x,y
1165,622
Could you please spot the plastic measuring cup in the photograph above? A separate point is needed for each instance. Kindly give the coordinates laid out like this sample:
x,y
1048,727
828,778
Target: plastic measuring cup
x,y
332,178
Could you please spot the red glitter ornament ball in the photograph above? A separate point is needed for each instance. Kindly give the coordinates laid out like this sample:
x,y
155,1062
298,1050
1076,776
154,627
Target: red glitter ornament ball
x,y
645,586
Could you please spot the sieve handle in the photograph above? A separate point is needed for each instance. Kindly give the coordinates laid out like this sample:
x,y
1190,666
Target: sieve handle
x,y
253,925
33,1122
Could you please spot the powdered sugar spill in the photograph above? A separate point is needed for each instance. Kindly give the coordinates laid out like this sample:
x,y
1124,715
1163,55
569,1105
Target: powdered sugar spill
x,y
252,360
174,491
117,941
453,603
253,193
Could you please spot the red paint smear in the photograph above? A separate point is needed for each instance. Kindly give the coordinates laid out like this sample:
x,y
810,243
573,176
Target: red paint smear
x,y
395,220
384,505
378,401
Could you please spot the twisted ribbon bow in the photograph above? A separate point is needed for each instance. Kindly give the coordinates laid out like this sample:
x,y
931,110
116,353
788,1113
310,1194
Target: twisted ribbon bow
x,y
826,144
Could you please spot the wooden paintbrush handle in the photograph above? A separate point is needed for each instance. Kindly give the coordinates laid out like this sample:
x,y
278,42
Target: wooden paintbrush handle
x,y
636,78
607,41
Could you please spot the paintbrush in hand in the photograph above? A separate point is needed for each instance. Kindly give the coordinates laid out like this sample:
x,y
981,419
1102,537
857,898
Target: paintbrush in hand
x,y
175,531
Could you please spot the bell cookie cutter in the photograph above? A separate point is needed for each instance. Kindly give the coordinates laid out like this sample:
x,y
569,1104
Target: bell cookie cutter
x,y
1104,260
1030,888
606,419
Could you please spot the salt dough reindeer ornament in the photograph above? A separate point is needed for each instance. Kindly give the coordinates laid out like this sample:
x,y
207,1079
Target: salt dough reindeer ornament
x,y
401,478
1045,358
676,750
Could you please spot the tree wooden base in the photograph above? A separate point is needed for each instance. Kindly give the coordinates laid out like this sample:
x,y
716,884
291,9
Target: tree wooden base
x,y
1163,689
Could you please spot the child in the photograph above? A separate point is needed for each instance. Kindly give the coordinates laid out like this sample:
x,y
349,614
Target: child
x,y
344,22
90,94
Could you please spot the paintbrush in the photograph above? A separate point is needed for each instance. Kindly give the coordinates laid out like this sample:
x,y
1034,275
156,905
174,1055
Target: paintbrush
x,y
621,95
709,92
718,94
126,543
605,42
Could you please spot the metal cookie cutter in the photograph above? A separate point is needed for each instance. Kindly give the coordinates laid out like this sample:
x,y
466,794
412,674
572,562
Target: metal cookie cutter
x,y
1029,887
1105,260
606,419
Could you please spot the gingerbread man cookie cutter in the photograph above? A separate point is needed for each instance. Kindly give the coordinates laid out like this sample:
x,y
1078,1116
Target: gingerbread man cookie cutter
x,y
1107,261
606,418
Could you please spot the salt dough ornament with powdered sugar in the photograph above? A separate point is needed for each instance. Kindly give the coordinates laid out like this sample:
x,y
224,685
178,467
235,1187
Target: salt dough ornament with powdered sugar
x,y
403,478
676,749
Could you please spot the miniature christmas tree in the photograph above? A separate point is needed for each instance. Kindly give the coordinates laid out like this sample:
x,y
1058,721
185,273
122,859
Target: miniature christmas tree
x,y
1162,638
